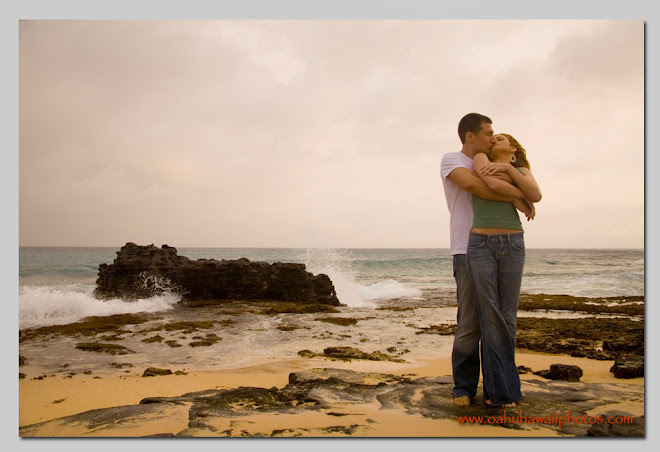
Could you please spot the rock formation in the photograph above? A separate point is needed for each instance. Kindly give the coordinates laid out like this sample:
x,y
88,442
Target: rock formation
x,y
146,271
329,391
628,367
566,372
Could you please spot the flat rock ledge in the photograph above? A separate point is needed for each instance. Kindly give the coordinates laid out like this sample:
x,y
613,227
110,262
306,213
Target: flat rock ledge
x,y
349,354
147,271
212,413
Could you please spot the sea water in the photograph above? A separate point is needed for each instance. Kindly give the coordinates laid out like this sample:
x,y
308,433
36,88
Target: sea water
x,y
56,284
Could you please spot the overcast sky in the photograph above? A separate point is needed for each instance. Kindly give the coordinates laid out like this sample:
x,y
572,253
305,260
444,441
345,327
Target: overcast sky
x,y
313,133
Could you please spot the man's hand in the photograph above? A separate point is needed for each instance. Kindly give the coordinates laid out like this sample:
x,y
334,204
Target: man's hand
x,y
526,207
467,181
533,209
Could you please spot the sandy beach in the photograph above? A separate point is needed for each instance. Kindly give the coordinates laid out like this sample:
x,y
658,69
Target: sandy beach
x,y
59,397
282,357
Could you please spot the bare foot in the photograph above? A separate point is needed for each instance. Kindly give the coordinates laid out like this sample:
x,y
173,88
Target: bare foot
x,y
462,401
504,405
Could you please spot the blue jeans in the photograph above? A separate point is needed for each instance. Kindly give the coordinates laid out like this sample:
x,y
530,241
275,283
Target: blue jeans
x,y
495,263
465,353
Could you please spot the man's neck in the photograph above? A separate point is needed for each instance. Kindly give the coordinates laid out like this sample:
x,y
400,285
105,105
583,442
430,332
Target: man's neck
x,y
467,150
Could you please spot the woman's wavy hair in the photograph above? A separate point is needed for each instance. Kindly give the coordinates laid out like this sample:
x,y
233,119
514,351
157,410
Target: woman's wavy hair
x,y
521,154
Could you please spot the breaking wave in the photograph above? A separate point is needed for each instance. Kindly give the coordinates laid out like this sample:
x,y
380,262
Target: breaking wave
x,y
46,305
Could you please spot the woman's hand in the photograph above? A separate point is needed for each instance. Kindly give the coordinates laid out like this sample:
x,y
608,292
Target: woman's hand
x,y
521,178
495,169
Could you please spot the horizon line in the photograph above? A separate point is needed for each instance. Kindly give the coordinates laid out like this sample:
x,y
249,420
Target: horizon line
x,y
318,247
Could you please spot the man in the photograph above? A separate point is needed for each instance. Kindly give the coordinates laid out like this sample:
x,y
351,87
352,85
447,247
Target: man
x,y
476,134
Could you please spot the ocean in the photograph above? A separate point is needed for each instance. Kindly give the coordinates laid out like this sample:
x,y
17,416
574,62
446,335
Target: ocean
x,y
56,284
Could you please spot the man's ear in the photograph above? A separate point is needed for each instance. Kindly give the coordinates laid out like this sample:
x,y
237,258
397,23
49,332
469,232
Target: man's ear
x,y
469,135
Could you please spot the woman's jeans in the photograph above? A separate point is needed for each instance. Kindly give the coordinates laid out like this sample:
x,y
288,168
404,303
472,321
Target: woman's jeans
x,y
495,264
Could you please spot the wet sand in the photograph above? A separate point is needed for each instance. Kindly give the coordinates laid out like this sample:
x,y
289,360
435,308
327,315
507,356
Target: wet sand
x,y
246,346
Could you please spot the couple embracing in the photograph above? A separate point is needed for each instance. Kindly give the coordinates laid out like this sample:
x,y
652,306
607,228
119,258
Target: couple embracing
x,y
485,184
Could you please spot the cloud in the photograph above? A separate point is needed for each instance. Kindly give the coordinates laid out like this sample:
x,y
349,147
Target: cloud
x,y
278,133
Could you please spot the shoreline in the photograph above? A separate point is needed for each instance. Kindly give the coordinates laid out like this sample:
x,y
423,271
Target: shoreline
x,y
284,369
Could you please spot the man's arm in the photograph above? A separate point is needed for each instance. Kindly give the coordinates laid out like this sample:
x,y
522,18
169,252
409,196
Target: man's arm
x,y
525,180
472,184
525,206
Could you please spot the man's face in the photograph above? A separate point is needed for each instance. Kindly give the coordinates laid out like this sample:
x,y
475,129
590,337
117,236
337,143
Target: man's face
x,y
484,140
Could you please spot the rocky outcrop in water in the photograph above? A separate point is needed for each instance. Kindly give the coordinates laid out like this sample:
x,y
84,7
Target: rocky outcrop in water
x,y
146,271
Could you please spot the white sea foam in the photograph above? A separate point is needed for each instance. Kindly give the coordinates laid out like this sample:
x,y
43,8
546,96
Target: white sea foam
x,y
388,289
46,305
337,264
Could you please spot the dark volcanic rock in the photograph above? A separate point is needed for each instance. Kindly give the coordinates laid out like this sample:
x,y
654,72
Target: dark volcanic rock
x,y
138,272
349,354
99,347
209,340
343,321
566,372
620,425
629,367
624,345
596,338
89,326
442,330
145,271
154,372
331,391
632,305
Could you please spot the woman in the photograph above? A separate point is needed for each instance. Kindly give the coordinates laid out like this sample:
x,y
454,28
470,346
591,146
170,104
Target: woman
x,y
495,259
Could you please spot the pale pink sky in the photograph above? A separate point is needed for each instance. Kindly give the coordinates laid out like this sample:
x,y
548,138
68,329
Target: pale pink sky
x,y
315,133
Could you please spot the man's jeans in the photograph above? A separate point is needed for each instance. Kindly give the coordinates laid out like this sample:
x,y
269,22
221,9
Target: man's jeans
x,y
465,353
495,263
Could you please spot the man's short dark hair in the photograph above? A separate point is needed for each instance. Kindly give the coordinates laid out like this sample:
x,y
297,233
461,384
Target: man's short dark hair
x,y
471,123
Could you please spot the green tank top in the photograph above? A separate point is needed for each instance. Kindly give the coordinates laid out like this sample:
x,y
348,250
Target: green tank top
x,y
495,214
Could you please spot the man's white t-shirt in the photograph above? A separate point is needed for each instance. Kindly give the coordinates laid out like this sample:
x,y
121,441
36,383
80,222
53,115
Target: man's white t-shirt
x,y
459,202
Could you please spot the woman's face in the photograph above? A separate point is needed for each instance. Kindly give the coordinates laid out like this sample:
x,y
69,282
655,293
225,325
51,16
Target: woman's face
x,y
502,144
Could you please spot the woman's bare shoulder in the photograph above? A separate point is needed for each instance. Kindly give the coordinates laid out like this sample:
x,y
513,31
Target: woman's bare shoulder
x,y
480,158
